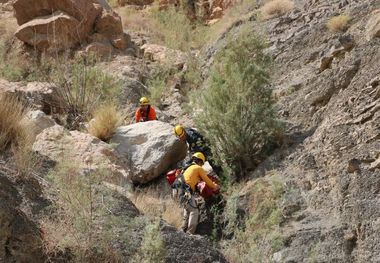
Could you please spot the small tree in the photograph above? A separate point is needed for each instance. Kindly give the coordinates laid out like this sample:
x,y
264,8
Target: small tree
x,y
236,109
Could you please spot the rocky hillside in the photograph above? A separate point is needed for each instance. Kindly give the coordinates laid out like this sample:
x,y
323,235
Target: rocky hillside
x,y
327,89
68,196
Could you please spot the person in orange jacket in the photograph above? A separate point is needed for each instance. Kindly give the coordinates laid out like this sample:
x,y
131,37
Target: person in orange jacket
x,y
192,176
145,112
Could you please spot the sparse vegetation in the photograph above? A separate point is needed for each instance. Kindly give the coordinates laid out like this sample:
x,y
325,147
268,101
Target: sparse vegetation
x,y
176,29
276,8
338,23
106,119
258,236
153,247
82,88
82,224
158,83
169,27
153,205
236,110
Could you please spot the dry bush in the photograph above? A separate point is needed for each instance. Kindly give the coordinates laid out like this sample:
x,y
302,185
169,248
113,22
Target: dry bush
x,y
106,119
25,159
12,128
338,23
154,205
276,8
17,133
173,213
82,88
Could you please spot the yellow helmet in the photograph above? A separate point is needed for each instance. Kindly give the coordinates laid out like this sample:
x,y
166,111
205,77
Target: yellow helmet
x,y
144,101
179,130
200,156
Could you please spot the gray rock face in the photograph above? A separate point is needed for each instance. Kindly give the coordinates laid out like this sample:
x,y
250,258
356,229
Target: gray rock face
x,y
333,115
337,110
148,149
20,237
184,248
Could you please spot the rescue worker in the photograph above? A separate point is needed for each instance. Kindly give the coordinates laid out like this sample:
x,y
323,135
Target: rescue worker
x,y
192,176
196,143
145,112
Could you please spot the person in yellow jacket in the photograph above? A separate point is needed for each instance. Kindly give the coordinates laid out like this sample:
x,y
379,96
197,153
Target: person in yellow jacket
x,y
192,176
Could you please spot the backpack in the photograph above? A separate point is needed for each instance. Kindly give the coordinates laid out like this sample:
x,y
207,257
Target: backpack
x,y
181,190
146,117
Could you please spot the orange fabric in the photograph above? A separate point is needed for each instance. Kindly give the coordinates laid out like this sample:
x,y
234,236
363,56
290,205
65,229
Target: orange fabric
x,y
194,174
140,115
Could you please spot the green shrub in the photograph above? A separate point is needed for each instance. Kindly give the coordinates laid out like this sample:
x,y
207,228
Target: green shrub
x,y
176,30
153,247
259,236
193,75
158,83
235,110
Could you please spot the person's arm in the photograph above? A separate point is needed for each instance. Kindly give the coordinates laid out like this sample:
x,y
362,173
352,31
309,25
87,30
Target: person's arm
x,y
207,180
138,115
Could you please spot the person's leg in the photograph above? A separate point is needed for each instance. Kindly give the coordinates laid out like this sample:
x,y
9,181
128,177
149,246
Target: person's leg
x,y
185,219
193,216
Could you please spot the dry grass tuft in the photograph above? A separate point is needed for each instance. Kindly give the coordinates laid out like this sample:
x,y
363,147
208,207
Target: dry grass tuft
x,y
276,8
338,23
173,213
154,205
12,128
106,120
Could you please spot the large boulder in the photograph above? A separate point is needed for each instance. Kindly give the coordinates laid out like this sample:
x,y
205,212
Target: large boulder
x,y
109,24
148,149
80,149
58,25
51,32
40,95
46,24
